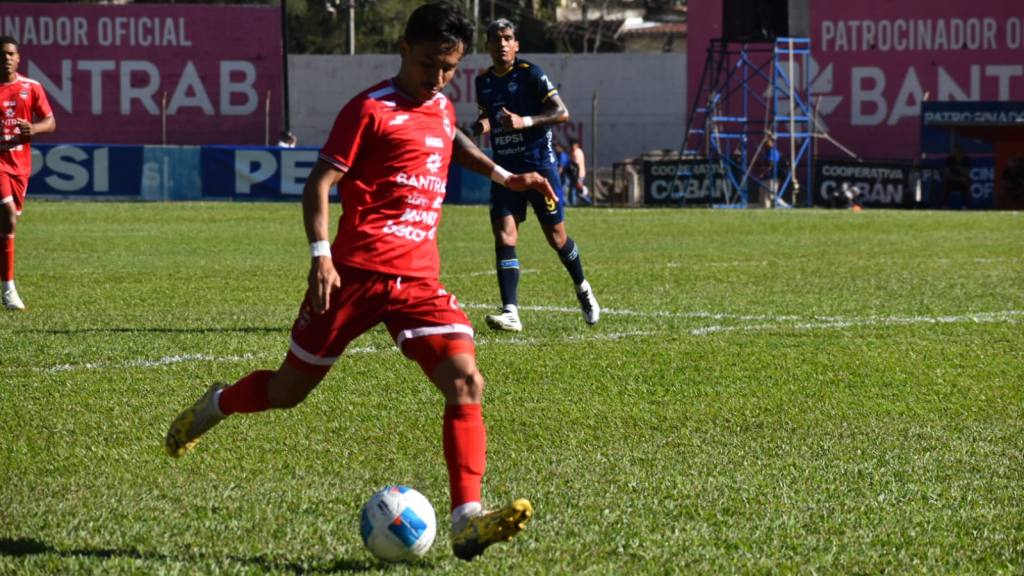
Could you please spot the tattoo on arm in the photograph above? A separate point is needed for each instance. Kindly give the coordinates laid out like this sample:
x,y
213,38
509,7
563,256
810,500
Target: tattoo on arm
x,y
554,112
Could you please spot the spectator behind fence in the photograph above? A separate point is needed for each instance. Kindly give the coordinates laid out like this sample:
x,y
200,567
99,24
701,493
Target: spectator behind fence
x,y
956,179
562,156
288,140
578,174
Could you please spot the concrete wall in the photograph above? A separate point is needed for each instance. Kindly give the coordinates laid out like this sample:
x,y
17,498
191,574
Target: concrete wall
x,y
641,97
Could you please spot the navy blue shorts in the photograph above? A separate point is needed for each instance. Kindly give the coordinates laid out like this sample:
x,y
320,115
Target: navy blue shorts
x,y
505,202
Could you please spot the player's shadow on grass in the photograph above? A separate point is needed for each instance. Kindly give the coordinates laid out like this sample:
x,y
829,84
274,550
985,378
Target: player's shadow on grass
x,y
31,547
155,330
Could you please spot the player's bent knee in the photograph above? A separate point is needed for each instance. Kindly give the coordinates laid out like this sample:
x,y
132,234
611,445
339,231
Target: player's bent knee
x,y
432,350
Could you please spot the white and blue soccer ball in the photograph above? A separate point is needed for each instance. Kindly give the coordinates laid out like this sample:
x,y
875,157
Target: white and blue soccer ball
x,y
398,523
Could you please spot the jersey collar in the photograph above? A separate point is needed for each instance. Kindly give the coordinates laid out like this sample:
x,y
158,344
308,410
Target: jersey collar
x,y
507,72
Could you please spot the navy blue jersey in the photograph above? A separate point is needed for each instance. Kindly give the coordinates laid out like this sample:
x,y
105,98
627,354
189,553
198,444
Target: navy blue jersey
x,y
524,90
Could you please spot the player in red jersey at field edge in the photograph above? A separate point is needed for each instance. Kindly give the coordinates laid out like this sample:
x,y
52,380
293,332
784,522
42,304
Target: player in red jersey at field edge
x,y
25,113
388,153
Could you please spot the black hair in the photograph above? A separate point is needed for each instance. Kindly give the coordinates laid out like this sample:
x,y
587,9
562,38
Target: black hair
x,y
498,25
440,22
8,40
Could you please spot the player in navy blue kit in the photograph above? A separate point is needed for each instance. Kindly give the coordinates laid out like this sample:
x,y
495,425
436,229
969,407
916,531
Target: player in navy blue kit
x,y
518,104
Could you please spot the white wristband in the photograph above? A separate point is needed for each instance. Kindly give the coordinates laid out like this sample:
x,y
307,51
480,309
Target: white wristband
x,y
527,121
500,175
320,248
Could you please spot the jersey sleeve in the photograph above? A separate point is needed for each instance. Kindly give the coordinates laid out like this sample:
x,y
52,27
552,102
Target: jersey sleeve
x,y
545,89
350,128
41,105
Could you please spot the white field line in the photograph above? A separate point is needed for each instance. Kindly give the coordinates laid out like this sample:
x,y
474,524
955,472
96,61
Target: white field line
x,y
489,273
1007,316
197,358
748,323
642,314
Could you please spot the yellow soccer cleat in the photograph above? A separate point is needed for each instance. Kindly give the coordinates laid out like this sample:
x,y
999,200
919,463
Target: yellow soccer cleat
x,y
192,423
491,527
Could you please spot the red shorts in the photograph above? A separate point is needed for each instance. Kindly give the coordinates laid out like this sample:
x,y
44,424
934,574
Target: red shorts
x,y
408,307
12,189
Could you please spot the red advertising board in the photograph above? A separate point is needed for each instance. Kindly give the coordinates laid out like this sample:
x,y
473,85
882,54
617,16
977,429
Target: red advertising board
x,y
875,61
127,74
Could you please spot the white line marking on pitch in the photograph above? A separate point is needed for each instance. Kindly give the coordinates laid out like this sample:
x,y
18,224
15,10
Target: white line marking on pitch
x,y
489,273
773,323
1010,316
628,312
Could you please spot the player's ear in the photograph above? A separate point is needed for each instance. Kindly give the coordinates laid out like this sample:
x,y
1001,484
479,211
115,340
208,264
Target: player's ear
x,y
404,49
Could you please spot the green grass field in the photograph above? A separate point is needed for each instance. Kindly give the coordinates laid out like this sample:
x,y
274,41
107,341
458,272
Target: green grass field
x,y
767,392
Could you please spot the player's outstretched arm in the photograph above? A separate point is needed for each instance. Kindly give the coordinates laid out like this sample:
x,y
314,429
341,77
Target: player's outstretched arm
x,y
531,181
469,155
323,278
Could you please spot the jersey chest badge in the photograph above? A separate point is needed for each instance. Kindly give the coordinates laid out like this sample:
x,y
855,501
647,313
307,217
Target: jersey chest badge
x,y
448,127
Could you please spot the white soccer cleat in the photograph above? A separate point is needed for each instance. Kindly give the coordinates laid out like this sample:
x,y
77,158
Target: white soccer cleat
x,y
507,321
588,304
12,301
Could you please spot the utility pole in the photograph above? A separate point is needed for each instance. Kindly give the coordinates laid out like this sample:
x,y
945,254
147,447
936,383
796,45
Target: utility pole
x,y
476,23
284,69
351,27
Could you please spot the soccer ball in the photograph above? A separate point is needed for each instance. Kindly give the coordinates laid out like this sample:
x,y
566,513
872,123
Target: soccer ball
x,y
398,523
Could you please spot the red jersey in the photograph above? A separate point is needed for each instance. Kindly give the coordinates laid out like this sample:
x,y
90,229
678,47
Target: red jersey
x,y
23,99
395,153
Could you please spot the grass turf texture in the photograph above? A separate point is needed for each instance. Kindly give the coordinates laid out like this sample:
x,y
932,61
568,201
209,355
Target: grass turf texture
x,y
767,391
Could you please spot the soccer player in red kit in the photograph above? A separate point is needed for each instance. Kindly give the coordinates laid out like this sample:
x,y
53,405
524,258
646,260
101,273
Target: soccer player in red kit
x,y
25,112
388,153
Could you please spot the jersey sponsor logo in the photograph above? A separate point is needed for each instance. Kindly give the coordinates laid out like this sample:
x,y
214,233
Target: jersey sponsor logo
x,y
408,231
398,120
420,216
507,139
433,142
512,87
434,163
429,183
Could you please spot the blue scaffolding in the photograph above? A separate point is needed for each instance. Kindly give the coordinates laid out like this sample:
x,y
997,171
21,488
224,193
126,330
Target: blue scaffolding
x,y
753,121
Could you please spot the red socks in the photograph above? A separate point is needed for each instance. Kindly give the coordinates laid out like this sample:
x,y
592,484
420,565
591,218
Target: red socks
x,y
247,395
7,258
465,450
464,434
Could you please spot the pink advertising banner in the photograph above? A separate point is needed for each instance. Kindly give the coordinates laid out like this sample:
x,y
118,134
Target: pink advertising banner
x,y
875,61
113,73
